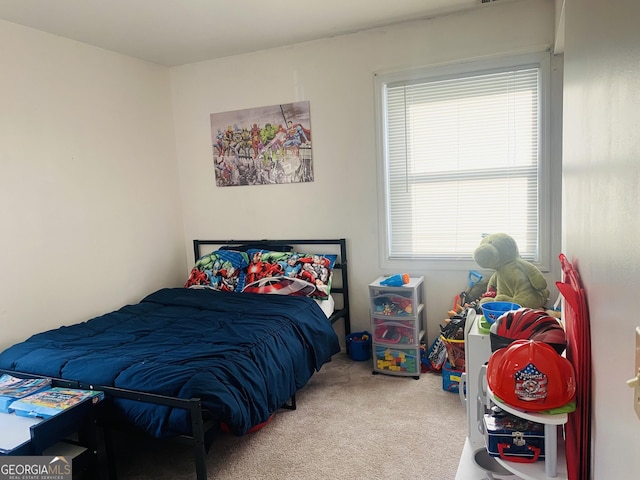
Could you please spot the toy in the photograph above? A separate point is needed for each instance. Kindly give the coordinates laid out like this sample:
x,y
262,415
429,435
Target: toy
x,y
514,280
470,297
396,280
394,334
394,305
396,360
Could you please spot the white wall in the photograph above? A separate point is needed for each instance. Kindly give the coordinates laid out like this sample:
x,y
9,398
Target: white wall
x,y
336,76
601,229
89,201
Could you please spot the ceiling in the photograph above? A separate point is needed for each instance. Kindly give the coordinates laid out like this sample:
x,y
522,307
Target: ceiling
x,y
176,32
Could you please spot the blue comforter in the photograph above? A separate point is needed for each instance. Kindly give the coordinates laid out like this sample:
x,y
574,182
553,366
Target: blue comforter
x,y
243,354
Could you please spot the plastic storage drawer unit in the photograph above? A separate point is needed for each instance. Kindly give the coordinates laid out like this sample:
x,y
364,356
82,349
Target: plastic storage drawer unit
x,y
397,325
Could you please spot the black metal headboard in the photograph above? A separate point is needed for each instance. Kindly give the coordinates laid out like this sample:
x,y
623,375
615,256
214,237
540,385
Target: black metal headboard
x,y
340,288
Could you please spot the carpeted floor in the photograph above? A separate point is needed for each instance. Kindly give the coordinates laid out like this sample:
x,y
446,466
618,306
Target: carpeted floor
x,y
348,424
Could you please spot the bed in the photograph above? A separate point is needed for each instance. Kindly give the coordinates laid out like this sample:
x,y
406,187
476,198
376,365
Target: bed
x,y
253,322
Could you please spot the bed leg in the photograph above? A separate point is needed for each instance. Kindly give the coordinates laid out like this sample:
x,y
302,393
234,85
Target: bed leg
x,y
291,405
347,324
109,452
201,461
199,449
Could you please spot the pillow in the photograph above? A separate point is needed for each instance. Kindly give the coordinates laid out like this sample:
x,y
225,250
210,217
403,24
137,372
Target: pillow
x,y
289,273
222,270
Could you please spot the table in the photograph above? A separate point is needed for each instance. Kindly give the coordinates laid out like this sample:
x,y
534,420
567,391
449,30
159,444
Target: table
x,y
70,433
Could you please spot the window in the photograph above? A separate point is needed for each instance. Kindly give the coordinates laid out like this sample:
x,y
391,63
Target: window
x,y
462,153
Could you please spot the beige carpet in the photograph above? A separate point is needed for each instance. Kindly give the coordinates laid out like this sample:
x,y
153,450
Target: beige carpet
x,y
348,424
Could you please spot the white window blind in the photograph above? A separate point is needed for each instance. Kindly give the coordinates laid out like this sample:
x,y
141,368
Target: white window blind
x,y
462,158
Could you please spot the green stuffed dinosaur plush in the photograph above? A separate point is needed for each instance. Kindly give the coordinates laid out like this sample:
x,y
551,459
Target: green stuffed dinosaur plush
x,y
515,280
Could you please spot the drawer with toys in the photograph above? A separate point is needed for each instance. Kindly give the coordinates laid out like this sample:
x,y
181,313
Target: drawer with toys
x,y
399,305
396,360
395,332
401,302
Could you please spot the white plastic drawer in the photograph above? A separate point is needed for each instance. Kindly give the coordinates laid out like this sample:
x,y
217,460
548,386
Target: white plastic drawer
x,y
396,360
394,304
395,332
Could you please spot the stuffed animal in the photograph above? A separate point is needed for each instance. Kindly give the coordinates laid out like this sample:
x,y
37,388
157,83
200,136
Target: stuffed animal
x,y
514,280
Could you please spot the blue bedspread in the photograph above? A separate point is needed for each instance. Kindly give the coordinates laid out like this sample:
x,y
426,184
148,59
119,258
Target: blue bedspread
x,y
243,354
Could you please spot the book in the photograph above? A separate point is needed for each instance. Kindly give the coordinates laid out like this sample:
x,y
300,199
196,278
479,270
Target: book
x,y
14,388
48,403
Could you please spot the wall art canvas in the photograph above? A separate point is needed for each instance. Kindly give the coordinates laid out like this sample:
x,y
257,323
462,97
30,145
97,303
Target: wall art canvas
x,y
265,145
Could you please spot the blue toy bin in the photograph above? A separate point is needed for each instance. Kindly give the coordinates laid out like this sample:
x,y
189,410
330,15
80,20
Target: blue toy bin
x,y
359,346
493,310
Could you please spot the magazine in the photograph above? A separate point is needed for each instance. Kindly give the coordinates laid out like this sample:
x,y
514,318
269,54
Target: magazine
x,y
50,402
13,388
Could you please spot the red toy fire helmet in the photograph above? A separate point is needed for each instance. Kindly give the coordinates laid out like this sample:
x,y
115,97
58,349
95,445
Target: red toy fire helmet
x,y
527,324
531,376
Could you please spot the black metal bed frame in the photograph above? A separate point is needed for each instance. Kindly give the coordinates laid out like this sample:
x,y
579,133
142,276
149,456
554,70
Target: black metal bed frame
x,y
199,425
